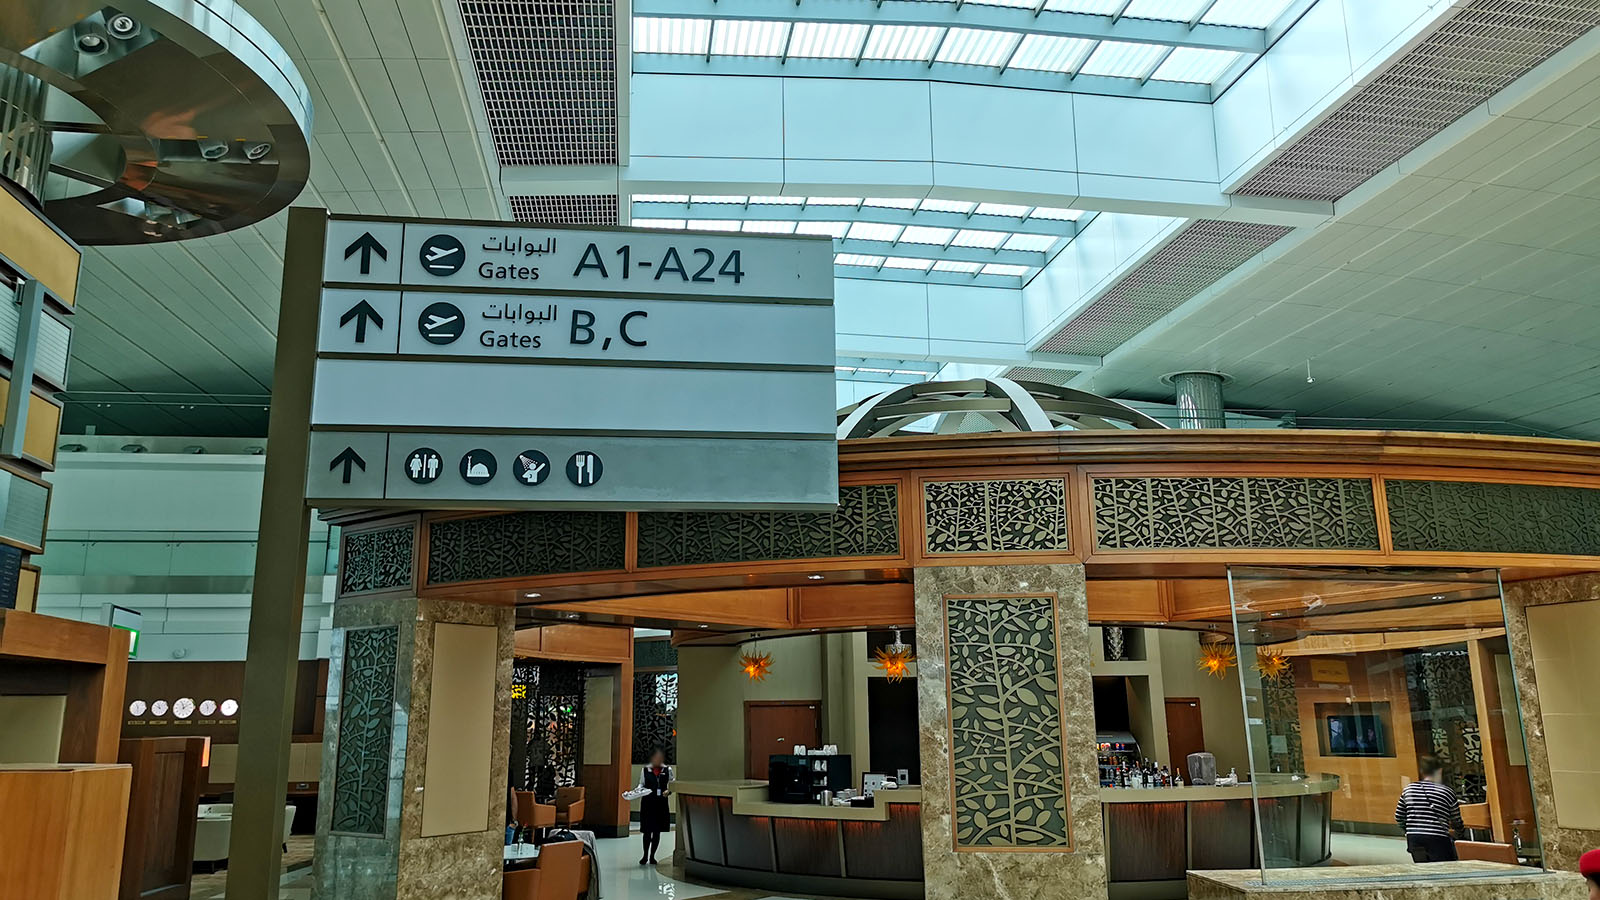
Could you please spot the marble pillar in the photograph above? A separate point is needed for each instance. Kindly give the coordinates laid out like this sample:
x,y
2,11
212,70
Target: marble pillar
x,y
1561,846
377,839
1010,779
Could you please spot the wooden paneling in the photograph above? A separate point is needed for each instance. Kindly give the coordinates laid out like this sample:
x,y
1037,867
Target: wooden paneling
x,y
158,855
1130,600
705,827
1146,840
61,837
575,643
854,605
1222,834
218,681
808,846
89,664
890,849
1368,786
748,840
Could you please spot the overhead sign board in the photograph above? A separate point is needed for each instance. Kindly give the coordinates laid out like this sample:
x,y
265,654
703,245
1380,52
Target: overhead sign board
x,y
471,365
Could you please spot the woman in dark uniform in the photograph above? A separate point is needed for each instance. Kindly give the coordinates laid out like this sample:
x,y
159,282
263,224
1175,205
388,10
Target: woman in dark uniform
x,y
651,793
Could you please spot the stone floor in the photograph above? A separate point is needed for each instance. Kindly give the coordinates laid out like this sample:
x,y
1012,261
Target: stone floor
x,y
296,875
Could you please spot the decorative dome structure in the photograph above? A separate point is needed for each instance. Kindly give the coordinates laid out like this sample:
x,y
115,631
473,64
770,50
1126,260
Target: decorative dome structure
x,y
998,403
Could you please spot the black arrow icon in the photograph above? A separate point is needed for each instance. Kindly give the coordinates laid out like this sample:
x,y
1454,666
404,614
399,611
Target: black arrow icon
x,y
368,245
363,313
348,458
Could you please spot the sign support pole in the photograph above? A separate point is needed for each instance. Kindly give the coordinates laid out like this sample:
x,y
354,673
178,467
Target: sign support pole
x,y
255,853
30,299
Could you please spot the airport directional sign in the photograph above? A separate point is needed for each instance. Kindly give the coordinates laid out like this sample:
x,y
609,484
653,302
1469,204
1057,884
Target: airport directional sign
x,y
494,365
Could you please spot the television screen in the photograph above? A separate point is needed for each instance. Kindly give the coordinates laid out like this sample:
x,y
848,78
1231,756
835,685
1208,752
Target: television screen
x,y
1354,729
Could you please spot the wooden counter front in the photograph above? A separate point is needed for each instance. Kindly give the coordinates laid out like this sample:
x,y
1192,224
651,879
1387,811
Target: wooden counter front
x,y
61,837
731,834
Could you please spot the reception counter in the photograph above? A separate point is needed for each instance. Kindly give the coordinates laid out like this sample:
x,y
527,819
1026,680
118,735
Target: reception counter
x,y
1154,837
731,834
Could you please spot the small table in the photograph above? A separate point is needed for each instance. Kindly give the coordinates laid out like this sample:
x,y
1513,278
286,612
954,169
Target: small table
x,y
519,854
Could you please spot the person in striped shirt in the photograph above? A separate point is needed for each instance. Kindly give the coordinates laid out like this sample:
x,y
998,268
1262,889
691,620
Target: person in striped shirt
x,y
1431,814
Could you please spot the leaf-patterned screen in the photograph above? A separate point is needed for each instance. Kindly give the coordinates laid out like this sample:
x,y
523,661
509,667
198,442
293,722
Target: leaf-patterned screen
x,y
1006,753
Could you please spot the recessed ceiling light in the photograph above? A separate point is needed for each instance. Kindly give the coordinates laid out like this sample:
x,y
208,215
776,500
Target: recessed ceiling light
x,y
533,596
572,615
814,577
705,626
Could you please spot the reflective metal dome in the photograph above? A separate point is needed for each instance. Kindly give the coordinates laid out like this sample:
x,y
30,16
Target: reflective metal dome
x,y
997,404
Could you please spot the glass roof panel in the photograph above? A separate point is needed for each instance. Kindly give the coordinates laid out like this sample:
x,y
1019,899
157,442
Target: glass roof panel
x,y
671,35
901,262
976,47
745,37
1172,10
1092,7
762,226
1002,209
1195,65
1028,4
714,224
1123,60
857,259
658,223
873,231
1046,53
890,202
922,234
719,198
902,41
1003,269
955,206
833,201
947,265
827,40
661,198
968,237
834,230
1246,13
776,201
1035,242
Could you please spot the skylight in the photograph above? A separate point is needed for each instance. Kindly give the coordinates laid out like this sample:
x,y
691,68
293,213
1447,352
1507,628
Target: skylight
x,y
737,37
827,40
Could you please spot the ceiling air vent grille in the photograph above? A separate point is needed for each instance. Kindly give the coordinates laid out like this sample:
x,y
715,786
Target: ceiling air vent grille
x,y
1191,262
1477,52
577,209
1058,377
548,72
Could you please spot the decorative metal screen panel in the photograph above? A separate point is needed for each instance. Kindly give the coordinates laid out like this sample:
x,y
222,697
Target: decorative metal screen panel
x,y
547,710
548,72
576,209
1444,717
1471,517
366,723
1285,747
1006,752
1481,49
867,523
996,516
1196,259
523,544
1276,513
377,560
655,716
654,655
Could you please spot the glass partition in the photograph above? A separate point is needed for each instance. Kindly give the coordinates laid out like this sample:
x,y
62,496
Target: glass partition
x,y
1355,683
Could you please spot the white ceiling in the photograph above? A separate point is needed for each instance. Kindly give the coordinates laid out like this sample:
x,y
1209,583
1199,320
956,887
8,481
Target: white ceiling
x,y
198,317
1469,289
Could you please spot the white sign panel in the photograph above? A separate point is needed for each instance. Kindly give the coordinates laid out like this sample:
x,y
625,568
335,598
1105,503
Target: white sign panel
x,y
498,365
514,257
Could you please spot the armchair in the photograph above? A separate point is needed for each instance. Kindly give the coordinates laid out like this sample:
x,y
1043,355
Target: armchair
x,y
554,876
569,806
529,813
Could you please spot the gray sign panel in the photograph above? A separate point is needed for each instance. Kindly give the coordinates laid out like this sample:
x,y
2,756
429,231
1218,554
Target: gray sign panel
x,y
622,331
519,257
473,471
412,394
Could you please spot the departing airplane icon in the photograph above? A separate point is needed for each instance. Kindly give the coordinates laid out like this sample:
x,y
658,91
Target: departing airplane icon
x,y
437,322
438,253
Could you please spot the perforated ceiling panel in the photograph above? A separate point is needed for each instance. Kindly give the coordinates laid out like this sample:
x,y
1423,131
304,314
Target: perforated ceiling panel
x,y
577,209
1477,52
548,71
1191,262
1048,376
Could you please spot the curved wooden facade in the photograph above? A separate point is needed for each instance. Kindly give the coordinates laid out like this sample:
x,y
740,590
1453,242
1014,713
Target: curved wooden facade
x,y
1155,517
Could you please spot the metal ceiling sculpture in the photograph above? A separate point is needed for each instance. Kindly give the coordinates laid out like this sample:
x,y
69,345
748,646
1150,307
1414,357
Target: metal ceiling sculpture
x,y
155,120
997,404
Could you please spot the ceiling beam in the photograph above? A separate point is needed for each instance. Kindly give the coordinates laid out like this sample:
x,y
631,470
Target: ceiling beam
x,y
836,213
994,18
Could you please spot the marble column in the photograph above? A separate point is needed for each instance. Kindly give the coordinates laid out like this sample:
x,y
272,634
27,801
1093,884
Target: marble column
x,y
1561,845
1010,779
380,834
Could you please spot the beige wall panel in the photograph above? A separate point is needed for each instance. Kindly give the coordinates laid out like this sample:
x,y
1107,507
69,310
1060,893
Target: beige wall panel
x,y
598,710
31,732
1562,635
36,247
461,703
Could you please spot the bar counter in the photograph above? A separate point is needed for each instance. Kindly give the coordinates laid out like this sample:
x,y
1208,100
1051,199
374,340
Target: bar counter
x,y
731,834
1155,836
